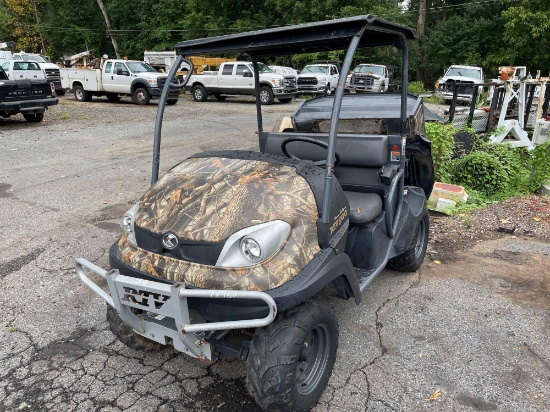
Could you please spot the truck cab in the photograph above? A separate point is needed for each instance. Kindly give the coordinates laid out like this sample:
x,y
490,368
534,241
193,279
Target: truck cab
x,y
318,78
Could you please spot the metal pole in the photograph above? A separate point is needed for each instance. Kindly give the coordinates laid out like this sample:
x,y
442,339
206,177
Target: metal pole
x,y
257,87
404,85
473,106
160,111
338,96
452,108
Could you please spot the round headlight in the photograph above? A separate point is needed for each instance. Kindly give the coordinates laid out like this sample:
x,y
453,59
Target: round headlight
x,y
251,249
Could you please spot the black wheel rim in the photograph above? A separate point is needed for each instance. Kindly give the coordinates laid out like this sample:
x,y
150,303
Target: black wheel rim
x,y
313,359
420,236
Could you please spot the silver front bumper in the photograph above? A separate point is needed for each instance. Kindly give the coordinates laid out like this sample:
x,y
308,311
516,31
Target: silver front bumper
x,y
165,313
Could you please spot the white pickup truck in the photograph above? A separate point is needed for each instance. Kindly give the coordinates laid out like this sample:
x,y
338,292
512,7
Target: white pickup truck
x,y
373,78
115,79
464,78
318,78
50,69
19,70
237,78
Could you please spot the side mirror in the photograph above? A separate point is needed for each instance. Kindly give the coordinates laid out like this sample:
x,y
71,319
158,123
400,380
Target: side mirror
x,y
246,73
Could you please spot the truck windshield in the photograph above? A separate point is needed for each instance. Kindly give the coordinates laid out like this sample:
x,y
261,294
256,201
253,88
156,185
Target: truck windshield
x,y
315,69
464,71
34,58
140,67
378,70
264,68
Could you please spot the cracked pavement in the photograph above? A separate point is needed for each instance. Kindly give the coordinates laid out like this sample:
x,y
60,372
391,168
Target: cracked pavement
x,y
475,327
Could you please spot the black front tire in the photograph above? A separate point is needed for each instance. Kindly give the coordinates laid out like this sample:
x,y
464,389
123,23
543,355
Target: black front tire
x,y
33,117
266,95
126,334
60,92
291,360
286,100
199,93
411,259
219,97
171,102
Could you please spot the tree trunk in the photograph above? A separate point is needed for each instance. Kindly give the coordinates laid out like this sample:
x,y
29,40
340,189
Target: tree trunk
x,y
108,24
421,74
420,27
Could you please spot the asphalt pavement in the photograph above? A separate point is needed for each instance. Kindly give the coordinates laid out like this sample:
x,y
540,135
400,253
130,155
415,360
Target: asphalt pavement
x,y
470,334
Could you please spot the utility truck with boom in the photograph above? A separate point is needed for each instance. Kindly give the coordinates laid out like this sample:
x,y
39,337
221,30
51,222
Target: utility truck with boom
x,y
117,78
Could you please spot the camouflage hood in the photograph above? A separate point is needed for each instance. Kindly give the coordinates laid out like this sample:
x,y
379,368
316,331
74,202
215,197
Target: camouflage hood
x,y
209,199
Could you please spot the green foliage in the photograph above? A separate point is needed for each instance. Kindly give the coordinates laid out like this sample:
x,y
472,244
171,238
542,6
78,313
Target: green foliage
x,y
482,172
442,138
416,88
540,166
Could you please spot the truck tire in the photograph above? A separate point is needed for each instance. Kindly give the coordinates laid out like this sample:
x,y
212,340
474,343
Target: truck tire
x,y
266,95
291,360
411,259
199,93
126,334
60,92
219,97
171,102
82,95
113,97
328,90
287,100
33,117
141,96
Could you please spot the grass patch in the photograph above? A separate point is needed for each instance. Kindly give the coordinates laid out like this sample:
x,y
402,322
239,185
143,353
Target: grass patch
x,y
12,329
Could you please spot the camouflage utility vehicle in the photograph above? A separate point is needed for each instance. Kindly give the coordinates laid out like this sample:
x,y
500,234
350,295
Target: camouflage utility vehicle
x,y
229,251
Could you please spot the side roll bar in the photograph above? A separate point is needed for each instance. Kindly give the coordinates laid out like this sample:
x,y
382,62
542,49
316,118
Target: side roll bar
x,y
160,111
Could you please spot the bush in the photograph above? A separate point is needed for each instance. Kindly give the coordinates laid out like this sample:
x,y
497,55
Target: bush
x,y
442,138
416,88
482,172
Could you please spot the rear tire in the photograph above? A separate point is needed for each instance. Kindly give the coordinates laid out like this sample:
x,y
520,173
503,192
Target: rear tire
x,y
411,259
219,97
266,95
199,93
60,92
141,96
171,102
33,117
291,360
126,334
287,100
82,95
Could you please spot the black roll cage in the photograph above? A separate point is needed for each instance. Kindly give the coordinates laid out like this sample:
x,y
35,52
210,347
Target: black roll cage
x,y
339,34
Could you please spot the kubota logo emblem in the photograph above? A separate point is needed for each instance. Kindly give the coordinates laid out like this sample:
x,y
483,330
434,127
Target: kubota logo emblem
x,y
170,241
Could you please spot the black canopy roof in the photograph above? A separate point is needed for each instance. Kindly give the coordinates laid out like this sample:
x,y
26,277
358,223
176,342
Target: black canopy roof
x,y
302,38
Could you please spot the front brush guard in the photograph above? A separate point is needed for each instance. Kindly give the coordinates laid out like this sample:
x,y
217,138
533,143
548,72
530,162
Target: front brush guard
x,y
165,314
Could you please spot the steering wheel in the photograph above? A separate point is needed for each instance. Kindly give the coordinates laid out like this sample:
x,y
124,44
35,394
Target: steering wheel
x,y
308,140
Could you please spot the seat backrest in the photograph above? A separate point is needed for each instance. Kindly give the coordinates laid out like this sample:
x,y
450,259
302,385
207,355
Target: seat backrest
x,y
369,151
